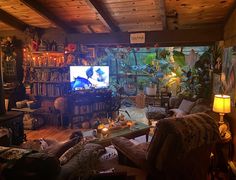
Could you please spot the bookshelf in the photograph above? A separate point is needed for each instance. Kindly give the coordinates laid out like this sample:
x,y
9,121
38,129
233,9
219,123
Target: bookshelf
x,y
46,72
89,104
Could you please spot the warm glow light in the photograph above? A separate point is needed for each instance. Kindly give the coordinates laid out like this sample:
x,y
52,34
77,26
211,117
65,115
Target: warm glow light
x,y
221,104
105,131
173,74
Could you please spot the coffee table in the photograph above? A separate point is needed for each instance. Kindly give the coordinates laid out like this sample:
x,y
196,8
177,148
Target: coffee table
x,y
138,129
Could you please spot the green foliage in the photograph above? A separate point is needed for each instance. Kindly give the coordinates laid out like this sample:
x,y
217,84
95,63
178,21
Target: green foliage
x,y
196,82
149,58
179,58
190,85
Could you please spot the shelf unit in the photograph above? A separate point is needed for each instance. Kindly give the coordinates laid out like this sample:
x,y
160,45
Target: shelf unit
x,y
46,72
86,105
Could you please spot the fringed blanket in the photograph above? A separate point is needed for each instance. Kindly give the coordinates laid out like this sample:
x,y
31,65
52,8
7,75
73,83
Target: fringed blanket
x,y
192,131
174,137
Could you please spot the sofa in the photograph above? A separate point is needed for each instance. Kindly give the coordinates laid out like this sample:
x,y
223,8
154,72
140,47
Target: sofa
x,y
178,107
50,160
180,148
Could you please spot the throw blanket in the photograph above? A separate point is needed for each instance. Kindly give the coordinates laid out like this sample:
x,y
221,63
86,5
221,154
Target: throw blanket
x,y
174,137
192,130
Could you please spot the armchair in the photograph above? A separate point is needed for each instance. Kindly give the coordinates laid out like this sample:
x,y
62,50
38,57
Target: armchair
x,y
180,148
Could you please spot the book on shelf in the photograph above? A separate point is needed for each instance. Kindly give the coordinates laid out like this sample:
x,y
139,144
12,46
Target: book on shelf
x,y
49,90
54,76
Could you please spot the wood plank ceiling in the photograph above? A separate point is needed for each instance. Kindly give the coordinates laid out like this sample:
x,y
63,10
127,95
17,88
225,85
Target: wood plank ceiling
x,y
99,16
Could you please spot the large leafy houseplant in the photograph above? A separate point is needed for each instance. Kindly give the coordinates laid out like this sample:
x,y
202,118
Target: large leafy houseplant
x,y
195,82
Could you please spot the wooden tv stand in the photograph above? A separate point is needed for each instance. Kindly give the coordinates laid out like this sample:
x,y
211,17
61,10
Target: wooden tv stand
x,y
88,104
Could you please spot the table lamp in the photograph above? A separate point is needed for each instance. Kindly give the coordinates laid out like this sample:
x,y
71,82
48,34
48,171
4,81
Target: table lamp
x,y
221,105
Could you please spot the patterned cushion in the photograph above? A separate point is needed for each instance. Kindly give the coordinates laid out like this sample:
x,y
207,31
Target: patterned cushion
x,y
155,112
66,156
78,148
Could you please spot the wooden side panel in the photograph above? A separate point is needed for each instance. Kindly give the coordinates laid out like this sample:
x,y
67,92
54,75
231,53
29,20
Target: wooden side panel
x,y
230,30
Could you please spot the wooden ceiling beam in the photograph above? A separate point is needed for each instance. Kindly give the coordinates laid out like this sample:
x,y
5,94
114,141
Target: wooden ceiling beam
x,y
12,21
185,37
104,15
45,12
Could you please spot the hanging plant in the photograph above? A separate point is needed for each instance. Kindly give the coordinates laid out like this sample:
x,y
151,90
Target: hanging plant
x,y
8,47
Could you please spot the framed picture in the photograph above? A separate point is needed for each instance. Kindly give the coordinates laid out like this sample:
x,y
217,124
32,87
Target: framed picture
x,y
91,52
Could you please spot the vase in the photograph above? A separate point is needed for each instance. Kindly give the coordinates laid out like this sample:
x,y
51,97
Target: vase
x,y
151,91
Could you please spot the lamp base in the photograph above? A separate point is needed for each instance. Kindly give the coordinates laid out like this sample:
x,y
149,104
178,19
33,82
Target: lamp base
x,y
221,119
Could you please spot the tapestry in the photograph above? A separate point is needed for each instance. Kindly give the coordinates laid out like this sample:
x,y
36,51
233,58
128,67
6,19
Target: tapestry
x,y
229,73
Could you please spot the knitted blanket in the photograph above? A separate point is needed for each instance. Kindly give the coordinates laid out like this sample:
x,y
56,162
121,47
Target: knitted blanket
x,y
178,136
192,130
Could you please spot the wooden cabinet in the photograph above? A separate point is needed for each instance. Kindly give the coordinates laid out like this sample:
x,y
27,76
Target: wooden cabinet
x,y
86,105
14,121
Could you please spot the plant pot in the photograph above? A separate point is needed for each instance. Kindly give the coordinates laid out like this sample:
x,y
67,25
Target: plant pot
x,y
151,91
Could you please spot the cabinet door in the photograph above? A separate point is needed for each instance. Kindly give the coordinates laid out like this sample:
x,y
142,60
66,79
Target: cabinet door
x,y
9,69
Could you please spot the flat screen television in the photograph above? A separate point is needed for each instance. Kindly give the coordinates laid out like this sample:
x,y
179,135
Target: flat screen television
x,y
87,77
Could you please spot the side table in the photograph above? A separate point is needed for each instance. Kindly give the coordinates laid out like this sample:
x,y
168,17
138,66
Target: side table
x,y
14,121
221,154
35,118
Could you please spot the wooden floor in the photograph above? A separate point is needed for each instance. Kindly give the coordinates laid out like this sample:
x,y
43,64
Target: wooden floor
x,y
50,132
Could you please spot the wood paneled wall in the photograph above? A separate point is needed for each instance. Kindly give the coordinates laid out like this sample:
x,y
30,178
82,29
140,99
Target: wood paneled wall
x,y
165,38
230,30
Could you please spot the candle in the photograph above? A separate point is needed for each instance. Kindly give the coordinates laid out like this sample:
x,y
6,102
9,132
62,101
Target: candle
x,y
100,127
105,131
129,124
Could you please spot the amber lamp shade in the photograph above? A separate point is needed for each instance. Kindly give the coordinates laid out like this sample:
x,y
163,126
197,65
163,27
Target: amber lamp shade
x,y
222,105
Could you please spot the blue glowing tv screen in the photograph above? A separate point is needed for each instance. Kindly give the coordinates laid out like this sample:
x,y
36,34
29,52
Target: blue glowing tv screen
x,y
87,77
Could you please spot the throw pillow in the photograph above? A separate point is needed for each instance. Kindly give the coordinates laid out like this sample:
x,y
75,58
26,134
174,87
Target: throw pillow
x,y
186,105
155,112
66,156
